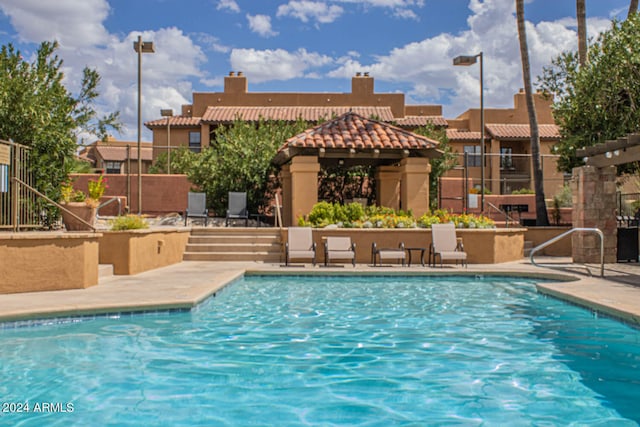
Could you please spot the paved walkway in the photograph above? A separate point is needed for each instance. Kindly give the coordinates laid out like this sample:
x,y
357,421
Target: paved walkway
x,y
184,285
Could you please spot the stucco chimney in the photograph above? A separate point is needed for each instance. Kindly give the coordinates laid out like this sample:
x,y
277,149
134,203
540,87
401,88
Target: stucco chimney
x,y
235,83
362,85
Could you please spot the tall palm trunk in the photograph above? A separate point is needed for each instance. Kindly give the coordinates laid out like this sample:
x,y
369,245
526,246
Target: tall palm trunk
x,y
541,208
633,8
581,14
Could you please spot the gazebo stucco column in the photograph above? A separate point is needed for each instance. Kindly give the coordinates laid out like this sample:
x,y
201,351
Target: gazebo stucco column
x,y
494,167
414,188
304,188
388,186
285,181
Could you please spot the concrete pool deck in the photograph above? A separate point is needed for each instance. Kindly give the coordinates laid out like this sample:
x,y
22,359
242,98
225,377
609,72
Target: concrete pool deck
x,y
184,285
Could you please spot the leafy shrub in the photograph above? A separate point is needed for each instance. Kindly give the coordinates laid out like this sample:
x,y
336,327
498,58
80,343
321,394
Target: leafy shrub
x,y
523,191
128,222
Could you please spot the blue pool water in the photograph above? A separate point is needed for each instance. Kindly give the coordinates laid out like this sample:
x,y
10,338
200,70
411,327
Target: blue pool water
x,y
348,351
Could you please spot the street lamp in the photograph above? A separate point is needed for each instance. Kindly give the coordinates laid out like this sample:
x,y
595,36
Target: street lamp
x,y
168,113
466,60
140,47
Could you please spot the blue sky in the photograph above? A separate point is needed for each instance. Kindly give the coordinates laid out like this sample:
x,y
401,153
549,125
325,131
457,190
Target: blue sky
x,y
297,45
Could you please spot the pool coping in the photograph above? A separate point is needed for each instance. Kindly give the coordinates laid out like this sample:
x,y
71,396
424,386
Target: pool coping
x,y
185,285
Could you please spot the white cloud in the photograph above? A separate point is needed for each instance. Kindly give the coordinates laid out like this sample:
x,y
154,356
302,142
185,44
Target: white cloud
x,y
261,24
400,8
72,23
212,43
278,64
305,11
230,5
427,65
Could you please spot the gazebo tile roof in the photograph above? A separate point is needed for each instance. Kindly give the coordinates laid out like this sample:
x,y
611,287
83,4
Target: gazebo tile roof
x,y
354,131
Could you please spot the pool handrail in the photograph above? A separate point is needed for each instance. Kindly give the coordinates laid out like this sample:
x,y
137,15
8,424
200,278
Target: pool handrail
x,y
111,200
566,233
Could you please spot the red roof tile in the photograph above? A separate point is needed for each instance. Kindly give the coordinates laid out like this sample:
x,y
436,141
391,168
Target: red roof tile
x,y
175,121
463,135
354,131
417,121
312,114
521,131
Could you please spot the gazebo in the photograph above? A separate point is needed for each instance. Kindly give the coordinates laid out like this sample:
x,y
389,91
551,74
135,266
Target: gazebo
x,y
401,159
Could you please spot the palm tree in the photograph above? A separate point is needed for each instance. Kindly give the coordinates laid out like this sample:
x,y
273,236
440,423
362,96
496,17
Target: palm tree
x,y
541,208
581,14
633,8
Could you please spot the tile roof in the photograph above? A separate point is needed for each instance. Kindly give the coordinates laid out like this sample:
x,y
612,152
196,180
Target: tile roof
x,y
521,131
463,135
354,131
175,121
416,121
119,154
313,114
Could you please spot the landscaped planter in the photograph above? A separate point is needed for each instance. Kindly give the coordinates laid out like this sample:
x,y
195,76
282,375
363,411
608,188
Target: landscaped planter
x,y
81,210
40,261
135,251
483,246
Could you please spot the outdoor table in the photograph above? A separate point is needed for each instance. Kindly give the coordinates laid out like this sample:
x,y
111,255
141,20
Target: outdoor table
x,y
422,250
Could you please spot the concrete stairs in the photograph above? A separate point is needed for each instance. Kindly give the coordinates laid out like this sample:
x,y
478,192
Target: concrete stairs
x,y
234,244
528,245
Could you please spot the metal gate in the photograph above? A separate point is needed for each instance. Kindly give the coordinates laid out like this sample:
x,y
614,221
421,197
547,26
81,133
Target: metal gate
x,y
18,206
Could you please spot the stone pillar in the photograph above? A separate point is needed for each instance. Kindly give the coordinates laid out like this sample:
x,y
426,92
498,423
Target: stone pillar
x,y
388,186
304,187
414,188
594,202
285,180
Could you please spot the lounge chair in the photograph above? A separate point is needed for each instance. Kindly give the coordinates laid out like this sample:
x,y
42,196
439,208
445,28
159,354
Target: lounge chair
x,y
444,244
387,253
237,208
339,248
196,207
300,245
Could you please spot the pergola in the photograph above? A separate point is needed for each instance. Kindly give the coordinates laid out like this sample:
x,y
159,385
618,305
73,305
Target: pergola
x,y
594,194
612,153
401,158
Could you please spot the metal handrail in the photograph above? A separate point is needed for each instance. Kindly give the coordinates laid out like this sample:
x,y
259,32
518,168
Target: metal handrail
x,y
566,233
111,200
58,205
506,215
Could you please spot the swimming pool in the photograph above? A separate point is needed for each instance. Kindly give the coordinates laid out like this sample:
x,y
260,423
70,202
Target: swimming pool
x,y
367,351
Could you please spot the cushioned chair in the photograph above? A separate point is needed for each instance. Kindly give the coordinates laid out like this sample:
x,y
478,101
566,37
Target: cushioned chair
x,y
387,253
300,245
339,248
196,207
237,208
444,244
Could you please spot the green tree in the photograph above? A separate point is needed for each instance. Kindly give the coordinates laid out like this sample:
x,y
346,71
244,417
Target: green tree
x,y
598,101
239,159
37,110
439,166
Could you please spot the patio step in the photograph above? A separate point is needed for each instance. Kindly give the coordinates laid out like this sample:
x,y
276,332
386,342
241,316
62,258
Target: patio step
x,y
105,270
528,245
234,244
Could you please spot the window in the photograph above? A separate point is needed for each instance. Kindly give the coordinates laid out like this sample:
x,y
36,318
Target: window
x,y
194,141
473,155
113,167
506,160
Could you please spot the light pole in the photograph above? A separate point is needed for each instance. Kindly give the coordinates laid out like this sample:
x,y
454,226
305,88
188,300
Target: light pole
x,y
168,113
140,47
470,60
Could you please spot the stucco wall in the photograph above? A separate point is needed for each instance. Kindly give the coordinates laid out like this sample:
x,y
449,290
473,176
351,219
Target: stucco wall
x,y
135,251
33,262
488,246
161,194
539,235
